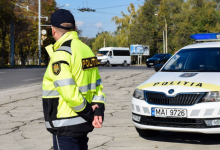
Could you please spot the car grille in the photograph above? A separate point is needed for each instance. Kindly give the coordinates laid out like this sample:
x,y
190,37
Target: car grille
x,y
173,122
180,99
151,61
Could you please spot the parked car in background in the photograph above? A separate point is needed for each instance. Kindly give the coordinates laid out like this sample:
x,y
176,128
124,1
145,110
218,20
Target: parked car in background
x,y
158,67
157,59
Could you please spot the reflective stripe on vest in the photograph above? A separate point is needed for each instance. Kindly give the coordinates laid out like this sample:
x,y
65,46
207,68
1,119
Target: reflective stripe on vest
x,y
78,108
64,82
47,124
91,86
70,81
100,98
50,93
65,48
65,122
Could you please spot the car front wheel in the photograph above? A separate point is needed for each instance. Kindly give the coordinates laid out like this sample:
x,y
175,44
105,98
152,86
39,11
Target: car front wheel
x,y
125,64
108,64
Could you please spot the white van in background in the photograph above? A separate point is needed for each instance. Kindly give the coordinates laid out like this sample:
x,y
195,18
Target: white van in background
x,y
114,56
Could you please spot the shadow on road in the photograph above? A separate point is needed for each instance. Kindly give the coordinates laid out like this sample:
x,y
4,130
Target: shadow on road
x,y
189,138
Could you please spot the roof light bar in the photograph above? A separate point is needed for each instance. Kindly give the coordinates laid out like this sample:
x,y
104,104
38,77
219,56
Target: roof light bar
x,y
205,36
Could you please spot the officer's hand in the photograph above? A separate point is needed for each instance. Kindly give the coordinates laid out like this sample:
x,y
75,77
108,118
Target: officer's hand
x,y
94,107
97,121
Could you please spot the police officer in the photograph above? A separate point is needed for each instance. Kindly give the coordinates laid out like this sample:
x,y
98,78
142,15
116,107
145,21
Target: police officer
x,y
73,101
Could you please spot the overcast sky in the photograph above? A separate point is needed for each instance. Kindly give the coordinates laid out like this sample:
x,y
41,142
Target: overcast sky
x,y
89,22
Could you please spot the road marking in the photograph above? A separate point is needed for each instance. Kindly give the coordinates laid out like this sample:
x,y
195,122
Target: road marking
x,y
32,79
2,72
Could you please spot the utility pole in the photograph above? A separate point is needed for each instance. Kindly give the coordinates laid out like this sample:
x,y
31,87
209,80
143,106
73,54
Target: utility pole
x,y
104,40
166,51
39,26
39,31
163,42
103,33
166,34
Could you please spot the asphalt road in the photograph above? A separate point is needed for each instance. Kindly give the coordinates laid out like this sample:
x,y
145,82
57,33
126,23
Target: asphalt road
x,y
23,127
12,78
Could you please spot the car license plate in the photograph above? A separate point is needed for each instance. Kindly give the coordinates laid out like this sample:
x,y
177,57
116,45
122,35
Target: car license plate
x,y
167,112
151,63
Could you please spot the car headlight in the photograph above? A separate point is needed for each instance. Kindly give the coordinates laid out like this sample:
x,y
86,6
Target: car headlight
x,y
147,59
139,94
103,60
212,97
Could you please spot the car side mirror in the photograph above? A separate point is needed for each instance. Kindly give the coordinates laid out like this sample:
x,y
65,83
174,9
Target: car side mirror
x,y
158,67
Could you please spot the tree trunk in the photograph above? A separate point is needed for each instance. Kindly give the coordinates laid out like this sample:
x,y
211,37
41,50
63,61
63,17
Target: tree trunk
x,y
3,45
22,55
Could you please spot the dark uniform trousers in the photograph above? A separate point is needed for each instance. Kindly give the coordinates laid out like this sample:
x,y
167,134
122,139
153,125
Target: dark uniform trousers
x,y
70,143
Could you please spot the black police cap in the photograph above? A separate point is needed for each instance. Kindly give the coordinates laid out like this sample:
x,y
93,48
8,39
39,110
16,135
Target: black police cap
x,y
62,16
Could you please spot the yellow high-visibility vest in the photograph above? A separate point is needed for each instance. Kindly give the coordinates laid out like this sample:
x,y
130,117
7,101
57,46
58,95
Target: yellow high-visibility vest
x,y
71,85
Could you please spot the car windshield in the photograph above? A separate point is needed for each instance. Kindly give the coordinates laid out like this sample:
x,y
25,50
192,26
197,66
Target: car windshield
x,y
102,53
158,56
195,60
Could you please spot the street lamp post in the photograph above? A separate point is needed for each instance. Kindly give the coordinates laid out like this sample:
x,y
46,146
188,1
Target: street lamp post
x,y
26,7
104,34
166,51
164,42
63,6
166,33
39,28
39,31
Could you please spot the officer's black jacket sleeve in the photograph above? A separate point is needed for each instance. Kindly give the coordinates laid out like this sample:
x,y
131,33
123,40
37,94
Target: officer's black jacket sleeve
x,y
99,111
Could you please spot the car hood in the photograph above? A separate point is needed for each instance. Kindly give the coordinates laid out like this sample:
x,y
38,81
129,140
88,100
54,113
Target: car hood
x,y
102,57
182,82
153,59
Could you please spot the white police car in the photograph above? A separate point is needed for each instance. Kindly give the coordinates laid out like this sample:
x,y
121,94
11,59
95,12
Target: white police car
x,y
184,96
